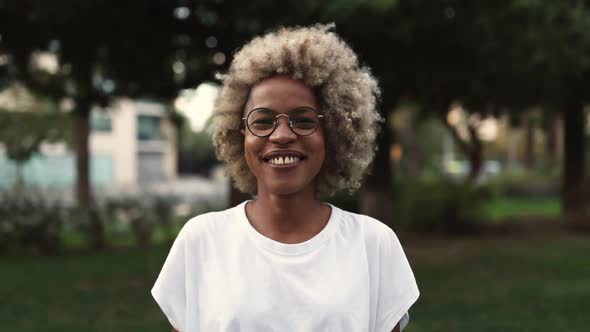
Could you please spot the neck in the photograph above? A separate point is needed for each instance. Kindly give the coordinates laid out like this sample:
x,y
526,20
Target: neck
x,y
289,218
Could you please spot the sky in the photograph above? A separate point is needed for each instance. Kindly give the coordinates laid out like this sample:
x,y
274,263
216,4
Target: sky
x,y
197,104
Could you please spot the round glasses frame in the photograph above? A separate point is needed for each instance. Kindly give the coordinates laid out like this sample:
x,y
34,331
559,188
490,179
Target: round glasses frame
x,y
276,121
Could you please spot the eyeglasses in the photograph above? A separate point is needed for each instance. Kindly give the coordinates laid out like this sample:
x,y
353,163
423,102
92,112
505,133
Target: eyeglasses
x,y
303,121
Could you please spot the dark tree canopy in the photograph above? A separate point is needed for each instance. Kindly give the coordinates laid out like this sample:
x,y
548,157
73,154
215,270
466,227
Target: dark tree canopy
x,y
493,56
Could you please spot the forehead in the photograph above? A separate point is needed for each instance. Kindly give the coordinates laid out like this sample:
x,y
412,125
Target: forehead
x,y
280,94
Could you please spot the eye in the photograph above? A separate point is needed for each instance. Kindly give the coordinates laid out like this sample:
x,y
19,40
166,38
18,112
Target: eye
x,y
303,122
262,123
304,118
261,119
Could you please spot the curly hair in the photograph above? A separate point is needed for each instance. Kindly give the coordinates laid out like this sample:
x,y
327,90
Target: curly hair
x,y
346,91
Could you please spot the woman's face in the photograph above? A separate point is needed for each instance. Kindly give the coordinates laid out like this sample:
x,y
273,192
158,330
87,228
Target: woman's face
x,y
284,163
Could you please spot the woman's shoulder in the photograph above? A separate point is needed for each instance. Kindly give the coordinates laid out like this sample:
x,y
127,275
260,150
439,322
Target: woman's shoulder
x,y
212,221
374,229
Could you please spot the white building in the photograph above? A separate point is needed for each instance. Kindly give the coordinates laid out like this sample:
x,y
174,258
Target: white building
x,y
132,144
138,140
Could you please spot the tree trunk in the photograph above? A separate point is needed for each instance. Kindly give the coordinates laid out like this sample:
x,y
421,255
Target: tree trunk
x,y
376,195
406,129
413,152
475,165
96,229
81,134
473,149
551,148
83,190
529,144
512,147
19,185
475,155
574,161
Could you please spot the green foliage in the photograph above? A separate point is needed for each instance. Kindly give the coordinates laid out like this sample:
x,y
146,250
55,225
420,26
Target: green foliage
x,y
196,148
493,55
500,209
163,209
23,132
422,137
29,220
132,212
199,144
341,9
527,183
90,222
439,204
141,214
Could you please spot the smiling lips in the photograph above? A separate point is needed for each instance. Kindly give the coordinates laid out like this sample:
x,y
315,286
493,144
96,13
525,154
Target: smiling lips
x,y
283,158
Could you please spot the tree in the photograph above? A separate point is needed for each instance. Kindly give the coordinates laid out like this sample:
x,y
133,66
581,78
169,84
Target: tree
x,y
23,132
557,46
103,49
493,57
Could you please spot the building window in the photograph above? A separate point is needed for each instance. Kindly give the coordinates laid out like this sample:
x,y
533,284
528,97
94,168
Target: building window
x,y
100,121
148,128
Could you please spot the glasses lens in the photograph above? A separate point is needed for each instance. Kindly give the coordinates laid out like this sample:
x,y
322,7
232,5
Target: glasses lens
x,y
304,121
261,122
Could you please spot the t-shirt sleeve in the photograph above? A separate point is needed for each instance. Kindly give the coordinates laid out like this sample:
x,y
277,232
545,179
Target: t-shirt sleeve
x,y
397,286
169,291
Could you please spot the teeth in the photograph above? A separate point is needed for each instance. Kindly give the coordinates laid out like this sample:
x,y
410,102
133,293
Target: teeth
x,y
283,160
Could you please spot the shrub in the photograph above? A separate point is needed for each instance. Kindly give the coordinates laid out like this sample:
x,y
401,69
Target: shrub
x,y
163,208
141,214
439,204
91,222
135,213
526,183
29,220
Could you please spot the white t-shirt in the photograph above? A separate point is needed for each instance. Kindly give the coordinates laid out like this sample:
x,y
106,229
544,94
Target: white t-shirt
x,y
222,275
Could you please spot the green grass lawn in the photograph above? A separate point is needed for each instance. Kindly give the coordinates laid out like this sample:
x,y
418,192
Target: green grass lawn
x,y
503,208
504,285
466,285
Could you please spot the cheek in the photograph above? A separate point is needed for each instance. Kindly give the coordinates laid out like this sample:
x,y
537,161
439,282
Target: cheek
x,y
321,142
319,145
323,154
323,148
251,150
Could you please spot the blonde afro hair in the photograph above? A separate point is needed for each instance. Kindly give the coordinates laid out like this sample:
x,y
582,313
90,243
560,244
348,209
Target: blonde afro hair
x,y
347,94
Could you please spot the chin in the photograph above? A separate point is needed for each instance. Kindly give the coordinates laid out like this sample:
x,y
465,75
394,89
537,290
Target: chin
x,y
285,189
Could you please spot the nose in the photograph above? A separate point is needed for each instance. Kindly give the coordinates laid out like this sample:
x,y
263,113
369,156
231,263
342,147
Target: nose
x,y
282,133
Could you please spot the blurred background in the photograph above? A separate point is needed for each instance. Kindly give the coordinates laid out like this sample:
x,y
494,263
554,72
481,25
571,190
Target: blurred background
x,y
482,167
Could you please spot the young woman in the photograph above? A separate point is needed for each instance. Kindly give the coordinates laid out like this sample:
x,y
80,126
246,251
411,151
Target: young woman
x,y
295,119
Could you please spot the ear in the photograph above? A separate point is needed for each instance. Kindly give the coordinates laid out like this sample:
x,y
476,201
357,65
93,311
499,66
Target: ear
x,y
243,131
